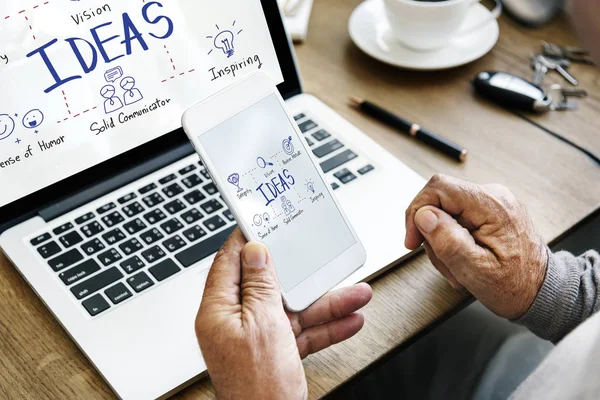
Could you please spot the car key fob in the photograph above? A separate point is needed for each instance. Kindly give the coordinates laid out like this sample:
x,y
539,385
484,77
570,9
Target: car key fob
x,y
512,92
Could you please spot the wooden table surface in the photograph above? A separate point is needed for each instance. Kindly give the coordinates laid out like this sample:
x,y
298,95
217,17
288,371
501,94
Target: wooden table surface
x,y
557,183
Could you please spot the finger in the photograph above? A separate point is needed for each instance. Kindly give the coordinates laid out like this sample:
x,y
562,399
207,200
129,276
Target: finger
x,y
458,198
335,305
452,244
322,336
442,268
260,286
224,276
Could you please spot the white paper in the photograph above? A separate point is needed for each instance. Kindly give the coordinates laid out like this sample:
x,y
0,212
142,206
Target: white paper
x,y
139,65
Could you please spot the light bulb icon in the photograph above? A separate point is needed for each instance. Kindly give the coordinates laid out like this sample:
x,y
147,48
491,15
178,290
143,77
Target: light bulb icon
x,y
224,41
225,38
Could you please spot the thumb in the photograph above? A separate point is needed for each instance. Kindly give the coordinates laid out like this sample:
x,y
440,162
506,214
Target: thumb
x,y
259,278
452,244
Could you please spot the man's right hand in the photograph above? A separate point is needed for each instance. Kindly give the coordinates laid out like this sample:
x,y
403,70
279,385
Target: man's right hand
x,y
480,238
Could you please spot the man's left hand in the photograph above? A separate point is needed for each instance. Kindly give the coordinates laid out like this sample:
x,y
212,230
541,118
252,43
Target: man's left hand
x,y
253,347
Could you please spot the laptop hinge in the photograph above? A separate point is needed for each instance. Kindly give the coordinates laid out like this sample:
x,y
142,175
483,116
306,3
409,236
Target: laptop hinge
x,y
102,188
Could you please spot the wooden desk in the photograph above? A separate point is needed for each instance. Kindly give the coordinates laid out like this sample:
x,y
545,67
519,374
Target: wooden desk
x,y
558,184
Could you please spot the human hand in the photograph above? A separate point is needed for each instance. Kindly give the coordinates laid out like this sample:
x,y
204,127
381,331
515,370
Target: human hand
x,y
480,238
251,345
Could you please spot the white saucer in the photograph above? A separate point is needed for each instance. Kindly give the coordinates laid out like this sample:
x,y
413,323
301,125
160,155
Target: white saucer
x,y
369,27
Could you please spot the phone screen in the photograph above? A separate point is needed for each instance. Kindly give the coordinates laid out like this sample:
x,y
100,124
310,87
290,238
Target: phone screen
x,y
278,190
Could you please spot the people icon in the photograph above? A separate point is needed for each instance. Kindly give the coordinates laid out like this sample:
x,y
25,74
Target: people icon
x,y
288,207
112,102
7,126
33,119
132,95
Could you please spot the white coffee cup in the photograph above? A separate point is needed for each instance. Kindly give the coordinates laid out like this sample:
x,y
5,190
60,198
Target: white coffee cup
x,y
424,25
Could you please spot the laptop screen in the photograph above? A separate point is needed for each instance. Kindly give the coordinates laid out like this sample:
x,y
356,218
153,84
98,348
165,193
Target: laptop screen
x,y
85,81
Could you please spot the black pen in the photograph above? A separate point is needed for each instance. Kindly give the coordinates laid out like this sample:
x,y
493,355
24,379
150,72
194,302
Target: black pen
x,y
451,149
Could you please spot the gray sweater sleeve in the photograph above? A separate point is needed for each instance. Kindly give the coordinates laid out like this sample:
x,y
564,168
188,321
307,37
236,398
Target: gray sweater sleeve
x,y
569,295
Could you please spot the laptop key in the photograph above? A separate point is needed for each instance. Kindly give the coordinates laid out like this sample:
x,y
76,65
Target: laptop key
x,y
348,178
106,208
151,236
92,229
164,270
113,219
192,216
96,283
110,257
65,260
192,181
366,169
71,239
167,179
49,249
194,233
203,249
92,247
321,135
174,244
135,226
114,236
96,305
211,206
175,206
127,198
140,282
341,173
41,239
229,215
211,189
79,272
131,246
84,218
132,265
133,209
214,223
62,229
172,226
153,200
118,293
338,161
308,125
206,174
335,186
194,197
172,190
328,148
147,188
310,142
153,254
187,169
299,117
155,216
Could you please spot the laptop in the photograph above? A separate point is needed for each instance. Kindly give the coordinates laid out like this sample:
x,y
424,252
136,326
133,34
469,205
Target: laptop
x,y
106,210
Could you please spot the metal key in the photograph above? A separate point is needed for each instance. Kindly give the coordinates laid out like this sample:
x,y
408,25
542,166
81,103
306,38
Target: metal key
x,y
564,107
572,53
565,93
539,71
558,68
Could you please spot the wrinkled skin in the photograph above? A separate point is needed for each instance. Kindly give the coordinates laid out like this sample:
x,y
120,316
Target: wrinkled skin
x,y
480,238
252,347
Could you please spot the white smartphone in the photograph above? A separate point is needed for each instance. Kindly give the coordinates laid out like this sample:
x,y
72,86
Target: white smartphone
x,y
266,173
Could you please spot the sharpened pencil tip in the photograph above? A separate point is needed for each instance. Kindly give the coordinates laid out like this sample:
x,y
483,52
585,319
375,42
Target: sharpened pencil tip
x,y
357,101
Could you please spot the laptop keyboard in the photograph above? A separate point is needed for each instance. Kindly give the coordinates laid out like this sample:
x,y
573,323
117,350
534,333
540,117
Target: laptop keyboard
x,y
139,240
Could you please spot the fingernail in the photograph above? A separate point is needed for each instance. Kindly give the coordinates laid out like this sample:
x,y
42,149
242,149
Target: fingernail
x,y
255,255
426,221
